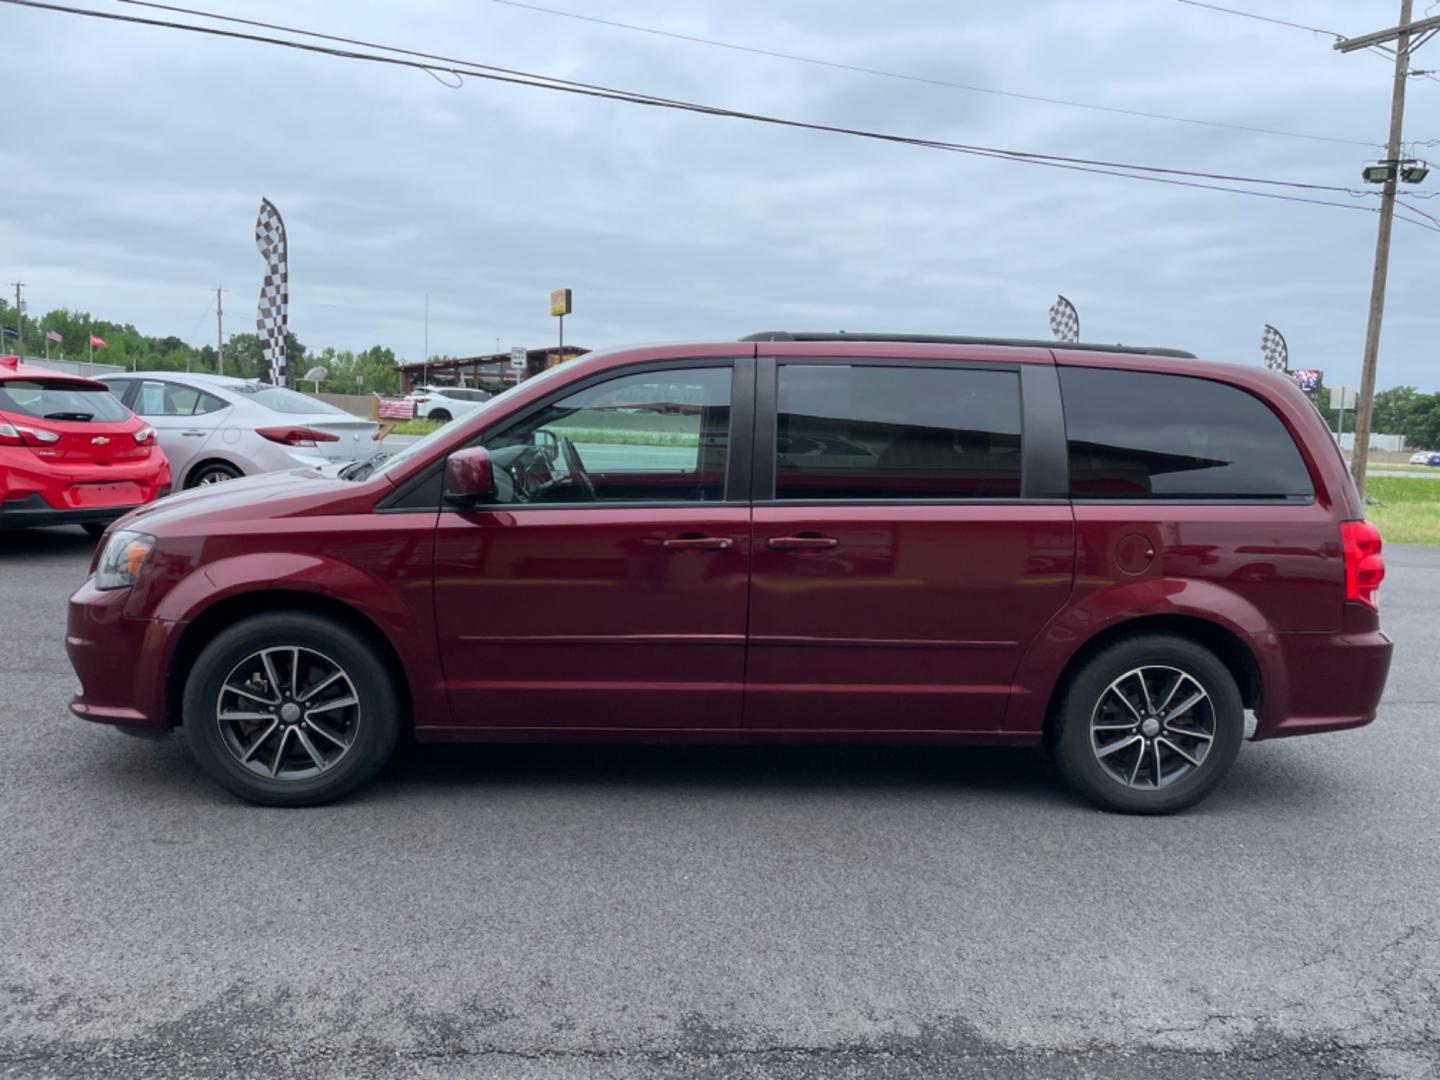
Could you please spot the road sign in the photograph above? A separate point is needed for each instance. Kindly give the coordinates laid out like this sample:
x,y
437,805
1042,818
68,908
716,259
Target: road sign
x,y
517,359
1343,397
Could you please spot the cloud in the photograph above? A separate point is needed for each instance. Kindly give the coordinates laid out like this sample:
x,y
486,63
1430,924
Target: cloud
x,y
136,160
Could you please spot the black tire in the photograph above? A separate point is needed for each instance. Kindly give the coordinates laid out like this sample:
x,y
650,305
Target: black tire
x,y
1096,764
214,472
440,416
95,528
376,718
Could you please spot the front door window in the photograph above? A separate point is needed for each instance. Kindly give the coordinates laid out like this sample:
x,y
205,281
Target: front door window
x,y
650,437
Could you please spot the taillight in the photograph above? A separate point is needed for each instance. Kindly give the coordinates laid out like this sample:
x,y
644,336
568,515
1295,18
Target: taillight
x,y
1364,567
17,435
296,436
145,435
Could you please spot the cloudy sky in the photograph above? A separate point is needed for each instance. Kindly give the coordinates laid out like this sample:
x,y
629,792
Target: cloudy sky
x,y
134,160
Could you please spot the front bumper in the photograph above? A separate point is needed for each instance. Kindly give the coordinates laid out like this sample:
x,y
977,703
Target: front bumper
x,y
121,662
1331,681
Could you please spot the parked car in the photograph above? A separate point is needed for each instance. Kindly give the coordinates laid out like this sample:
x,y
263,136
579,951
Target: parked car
x,y
1433,460
1420,457
444,403
1110,552
215,428
70,454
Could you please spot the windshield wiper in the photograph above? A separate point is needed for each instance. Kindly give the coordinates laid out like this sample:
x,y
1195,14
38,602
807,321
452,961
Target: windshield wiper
x,y
358,470
82,416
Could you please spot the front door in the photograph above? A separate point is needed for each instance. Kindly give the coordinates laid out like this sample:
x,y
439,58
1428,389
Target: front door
x,y
900,568
607,587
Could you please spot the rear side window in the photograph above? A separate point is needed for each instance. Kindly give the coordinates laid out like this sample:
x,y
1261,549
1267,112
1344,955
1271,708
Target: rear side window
x,y
896,433
1139,435
60,401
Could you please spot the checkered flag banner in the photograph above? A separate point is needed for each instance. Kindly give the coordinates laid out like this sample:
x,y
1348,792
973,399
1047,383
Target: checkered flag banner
x,y
1274,349
272,318
1064,320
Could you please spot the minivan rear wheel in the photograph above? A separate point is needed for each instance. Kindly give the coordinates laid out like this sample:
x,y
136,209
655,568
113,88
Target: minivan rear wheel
x,y
290,709
1150,725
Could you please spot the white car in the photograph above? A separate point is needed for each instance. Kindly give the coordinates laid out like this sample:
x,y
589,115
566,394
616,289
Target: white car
x,y
444,403
1420,457
215,428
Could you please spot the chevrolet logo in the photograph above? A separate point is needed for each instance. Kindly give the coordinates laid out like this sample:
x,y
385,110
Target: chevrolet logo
x,y
99,440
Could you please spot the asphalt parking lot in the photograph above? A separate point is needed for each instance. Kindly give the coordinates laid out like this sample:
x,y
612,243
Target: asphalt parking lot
x,y
634,912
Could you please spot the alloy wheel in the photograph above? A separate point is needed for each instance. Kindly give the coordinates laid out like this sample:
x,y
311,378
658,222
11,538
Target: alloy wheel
x,y
288,712
1152,726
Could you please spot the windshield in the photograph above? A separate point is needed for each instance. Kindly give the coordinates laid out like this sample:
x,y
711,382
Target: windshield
x,y
282,400
60,401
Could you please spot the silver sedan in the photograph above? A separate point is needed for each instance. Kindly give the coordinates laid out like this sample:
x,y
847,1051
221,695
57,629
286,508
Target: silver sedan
x,y
215,428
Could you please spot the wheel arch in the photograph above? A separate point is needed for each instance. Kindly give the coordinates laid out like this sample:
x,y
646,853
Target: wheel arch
x,y
1232,651
200,631
202,460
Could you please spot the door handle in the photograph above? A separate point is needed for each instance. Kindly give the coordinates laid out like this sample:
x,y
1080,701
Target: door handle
x,y
801,543
699,543
197,434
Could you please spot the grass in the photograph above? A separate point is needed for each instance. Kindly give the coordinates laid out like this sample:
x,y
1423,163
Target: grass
x,y
416,427
601,436
594,436
1406,510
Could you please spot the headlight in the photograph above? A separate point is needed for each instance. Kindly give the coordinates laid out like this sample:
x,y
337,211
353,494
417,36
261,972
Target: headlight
x,y
125,552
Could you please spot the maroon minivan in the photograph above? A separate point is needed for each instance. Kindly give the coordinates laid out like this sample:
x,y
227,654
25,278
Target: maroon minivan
x,y
1114,552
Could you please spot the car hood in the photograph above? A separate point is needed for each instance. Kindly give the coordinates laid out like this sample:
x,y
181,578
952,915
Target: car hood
x,y
248,500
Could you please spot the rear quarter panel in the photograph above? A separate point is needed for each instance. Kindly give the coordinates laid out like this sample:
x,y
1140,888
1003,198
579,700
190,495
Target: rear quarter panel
x,y
1258,570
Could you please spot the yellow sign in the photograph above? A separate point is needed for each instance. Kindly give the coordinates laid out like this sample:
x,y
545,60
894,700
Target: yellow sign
x,y
560,302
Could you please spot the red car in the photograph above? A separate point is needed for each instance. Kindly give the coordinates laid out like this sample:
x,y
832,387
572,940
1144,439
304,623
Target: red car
x,y
70,453
796,537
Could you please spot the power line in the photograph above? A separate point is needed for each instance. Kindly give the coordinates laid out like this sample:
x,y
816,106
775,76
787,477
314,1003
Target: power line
x,y
594,89
947,84
1265,18
511,77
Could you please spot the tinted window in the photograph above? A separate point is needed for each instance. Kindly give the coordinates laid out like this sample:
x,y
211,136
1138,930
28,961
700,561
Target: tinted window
x,y
1140,435
655,436
59,401
897,433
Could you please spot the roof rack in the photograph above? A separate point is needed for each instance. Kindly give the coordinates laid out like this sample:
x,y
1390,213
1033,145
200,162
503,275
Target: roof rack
x,y
945,339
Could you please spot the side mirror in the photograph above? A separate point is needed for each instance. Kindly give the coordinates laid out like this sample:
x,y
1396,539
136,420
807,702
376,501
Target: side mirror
x,y
469,477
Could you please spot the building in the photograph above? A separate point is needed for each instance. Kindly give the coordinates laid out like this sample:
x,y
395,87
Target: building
x,y
490,372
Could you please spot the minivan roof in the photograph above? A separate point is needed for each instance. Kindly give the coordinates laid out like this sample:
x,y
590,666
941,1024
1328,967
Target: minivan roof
x,y
943,339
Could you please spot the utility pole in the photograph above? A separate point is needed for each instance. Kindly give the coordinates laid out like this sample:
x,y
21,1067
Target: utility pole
x,y
425,356
1403,34
19,320
219,333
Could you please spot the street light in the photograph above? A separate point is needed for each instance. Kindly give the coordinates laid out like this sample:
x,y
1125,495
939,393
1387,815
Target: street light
x,y
1412,172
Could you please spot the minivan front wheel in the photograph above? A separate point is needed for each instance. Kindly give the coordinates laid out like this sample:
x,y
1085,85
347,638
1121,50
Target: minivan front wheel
x,y
1150,725
290,709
